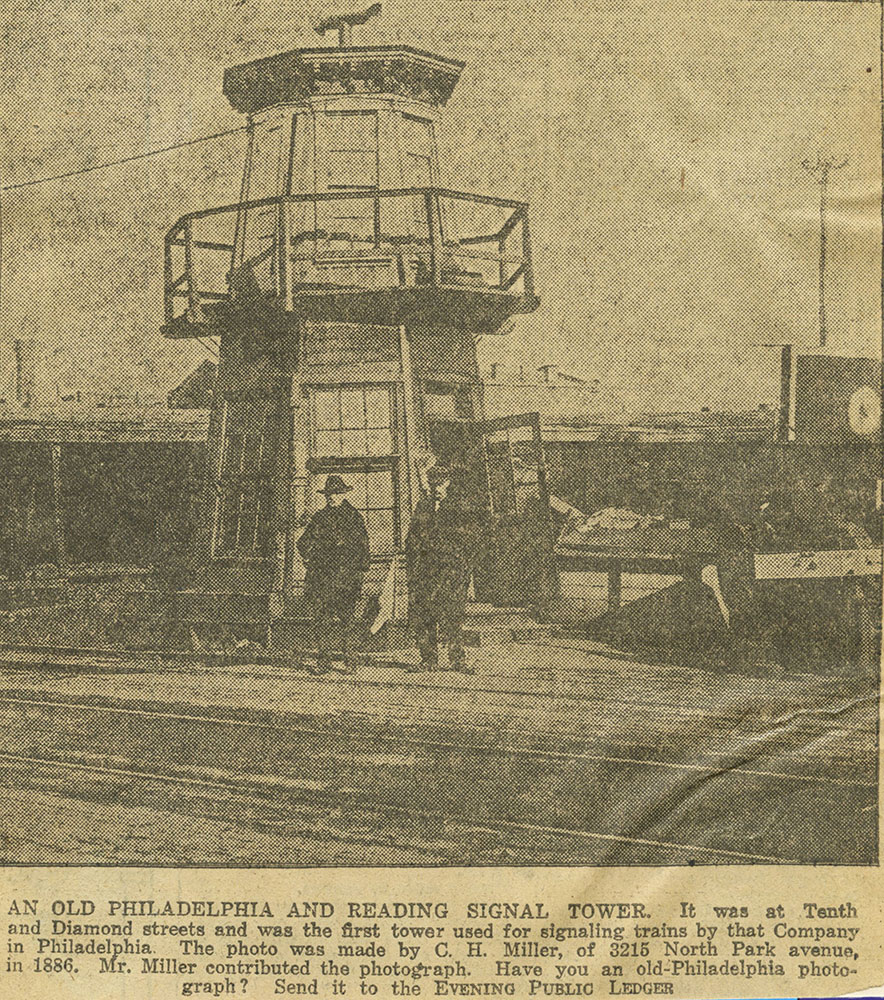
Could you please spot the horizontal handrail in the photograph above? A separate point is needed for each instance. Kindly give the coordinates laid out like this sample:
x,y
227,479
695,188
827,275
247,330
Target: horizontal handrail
x,y
396,245
434,245
204,245
315,196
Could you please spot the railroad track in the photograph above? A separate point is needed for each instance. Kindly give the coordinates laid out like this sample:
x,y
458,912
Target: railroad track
x,y
82,660
383,805
723,765
281,794
79,661
384,778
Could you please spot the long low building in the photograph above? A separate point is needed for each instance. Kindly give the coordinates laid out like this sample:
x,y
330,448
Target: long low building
x,y
115,486
102,482
121,491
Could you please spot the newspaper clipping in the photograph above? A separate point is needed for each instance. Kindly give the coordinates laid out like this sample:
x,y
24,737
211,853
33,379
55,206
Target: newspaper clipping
x,y
441,518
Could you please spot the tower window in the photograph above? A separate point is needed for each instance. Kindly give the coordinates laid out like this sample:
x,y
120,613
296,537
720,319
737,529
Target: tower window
x,y
350,421
351,149
417,151
244,512
268,156
351,164
353,433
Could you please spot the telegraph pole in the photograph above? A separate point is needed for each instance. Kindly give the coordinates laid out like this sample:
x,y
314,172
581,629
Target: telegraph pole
x,y
820,170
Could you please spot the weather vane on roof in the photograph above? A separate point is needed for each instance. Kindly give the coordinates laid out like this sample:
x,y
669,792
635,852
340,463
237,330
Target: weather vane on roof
x,y
343,24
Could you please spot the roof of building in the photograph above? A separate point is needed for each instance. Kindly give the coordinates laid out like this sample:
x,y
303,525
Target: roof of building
x,y
111,425
294,76
703,427
124,424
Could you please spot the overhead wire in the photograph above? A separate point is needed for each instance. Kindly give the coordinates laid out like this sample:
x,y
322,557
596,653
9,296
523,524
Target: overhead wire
x,y
122,160
103,166
209,346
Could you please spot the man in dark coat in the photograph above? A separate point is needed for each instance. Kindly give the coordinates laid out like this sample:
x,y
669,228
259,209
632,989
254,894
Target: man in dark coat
x,y
439,550
334,547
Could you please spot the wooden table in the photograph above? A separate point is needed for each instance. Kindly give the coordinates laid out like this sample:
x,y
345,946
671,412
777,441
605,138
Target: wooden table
x,y
639,550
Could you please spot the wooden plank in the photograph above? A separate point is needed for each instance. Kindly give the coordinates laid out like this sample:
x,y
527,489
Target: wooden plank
x,y
435,238
284,290
824,565
412,473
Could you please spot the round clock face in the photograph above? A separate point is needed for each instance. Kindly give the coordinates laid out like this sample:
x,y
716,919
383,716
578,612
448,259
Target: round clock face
x,y
864,411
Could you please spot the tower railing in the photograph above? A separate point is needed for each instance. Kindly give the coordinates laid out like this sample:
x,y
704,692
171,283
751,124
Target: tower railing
x,y
281,249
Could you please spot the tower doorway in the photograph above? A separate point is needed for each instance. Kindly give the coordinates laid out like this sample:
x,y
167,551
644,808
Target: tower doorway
x,y
500,468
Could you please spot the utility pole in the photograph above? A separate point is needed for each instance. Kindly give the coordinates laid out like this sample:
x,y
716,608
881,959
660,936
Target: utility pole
x,y
820,170
784,420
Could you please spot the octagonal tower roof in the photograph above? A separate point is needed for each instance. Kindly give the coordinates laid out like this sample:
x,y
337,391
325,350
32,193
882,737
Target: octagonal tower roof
x,y
295,76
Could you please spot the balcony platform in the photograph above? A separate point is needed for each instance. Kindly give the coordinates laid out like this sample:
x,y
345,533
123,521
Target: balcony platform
x,y
480,309
400,257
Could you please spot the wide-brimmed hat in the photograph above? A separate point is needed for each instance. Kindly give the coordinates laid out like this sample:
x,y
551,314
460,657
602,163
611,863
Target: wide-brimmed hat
x,y
334,484
437,474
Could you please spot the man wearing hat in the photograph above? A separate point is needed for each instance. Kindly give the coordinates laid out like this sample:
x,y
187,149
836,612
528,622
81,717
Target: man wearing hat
x,y
334,547
439,548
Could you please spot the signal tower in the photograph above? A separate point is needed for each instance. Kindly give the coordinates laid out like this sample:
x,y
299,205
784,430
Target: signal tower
x,y
347,289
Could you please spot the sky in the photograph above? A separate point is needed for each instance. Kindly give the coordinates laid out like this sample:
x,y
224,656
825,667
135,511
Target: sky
x,y
660,147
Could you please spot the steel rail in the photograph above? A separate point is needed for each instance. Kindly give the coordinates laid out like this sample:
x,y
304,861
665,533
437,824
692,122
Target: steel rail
x,y
492,826
150,658
267,823
583,737
721,768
